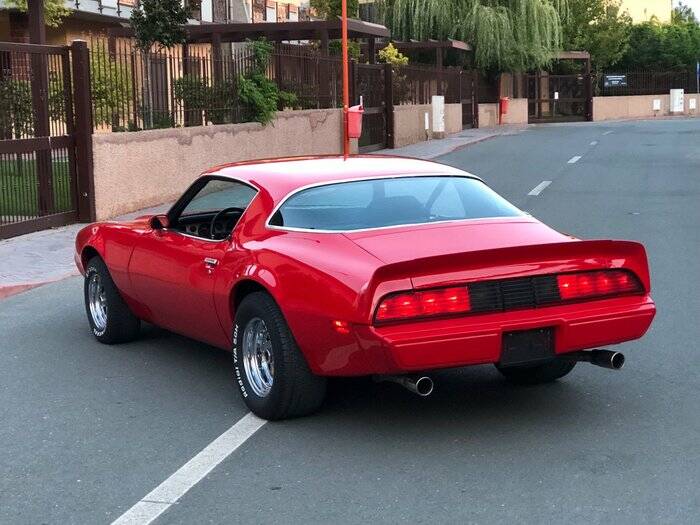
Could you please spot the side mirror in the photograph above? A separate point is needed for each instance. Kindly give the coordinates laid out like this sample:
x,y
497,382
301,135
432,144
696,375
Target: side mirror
x,y
160,222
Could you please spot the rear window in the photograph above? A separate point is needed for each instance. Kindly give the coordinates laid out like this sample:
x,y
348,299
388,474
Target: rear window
x,y
386,202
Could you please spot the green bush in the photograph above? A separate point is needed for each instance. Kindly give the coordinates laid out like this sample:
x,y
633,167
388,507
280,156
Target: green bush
x,y
401,86
191,92
216,102
160,119
110,86
259,97
285,99
335,48
222,101
15,108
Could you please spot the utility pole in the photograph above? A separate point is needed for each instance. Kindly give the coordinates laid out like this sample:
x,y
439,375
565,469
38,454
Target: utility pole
x,y
346,80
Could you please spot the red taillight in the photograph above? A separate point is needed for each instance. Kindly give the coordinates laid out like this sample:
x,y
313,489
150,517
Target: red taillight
x,y
424,304
595,284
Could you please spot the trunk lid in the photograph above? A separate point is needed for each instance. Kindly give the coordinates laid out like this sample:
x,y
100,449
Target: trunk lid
x,y
430,240
451,254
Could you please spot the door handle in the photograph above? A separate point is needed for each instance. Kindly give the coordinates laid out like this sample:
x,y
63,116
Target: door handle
x,y
210,262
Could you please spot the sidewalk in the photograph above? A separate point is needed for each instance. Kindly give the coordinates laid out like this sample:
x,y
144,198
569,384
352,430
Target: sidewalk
x,y
43,257
46,256
435,148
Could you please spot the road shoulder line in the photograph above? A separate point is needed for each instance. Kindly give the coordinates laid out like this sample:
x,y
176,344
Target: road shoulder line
x,y
179,483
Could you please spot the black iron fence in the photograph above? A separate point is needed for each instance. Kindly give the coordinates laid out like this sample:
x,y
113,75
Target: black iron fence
x,y
193,85
417,85
41,170
25,73
616,83
197,85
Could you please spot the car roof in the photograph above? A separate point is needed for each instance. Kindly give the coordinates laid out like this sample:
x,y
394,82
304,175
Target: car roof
x,y
280,177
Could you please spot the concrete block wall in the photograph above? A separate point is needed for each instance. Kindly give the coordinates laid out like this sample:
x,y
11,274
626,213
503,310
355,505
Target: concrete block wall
x,y
517,113
409,122
638,106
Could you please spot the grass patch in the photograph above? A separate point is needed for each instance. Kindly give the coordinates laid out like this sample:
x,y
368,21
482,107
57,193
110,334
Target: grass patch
x,y
19,187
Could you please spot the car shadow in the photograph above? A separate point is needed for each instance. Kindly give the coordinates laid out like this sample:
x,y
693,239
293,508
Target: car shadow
x,y
470,397
464,399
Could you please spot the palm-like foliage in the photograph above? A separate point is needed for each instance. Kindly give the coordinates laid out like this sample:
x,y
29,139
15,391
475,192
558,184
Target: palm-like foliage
x,y
512,35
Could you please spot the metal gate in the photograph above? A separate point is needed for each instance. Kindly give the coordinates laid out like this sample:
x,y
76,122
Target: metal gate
x,y
38,169
559,98
374,83
468,88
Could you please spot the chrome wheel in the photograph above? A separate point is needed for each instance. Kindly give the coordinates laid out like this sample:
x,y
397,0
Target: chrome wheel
x,y
97,302
257,357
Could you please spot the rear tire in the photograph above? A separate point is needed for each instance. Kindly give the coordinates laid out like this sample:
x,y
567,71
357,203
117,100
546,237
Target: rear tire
x,y
537,374
272,374
110,318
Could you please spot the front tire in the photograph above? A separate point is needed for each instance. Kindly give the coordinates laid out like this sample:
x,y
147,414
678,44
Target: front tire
x,y
537,374
110,318
272,374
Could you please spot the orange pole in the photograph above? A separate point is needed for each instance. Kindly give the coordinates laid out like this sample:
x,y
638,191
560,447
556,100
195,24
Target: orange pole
x,y
346,80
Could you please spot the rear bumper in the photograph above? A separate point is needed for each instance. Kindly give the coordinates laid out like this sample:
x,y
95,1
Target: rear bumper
x,y
477,339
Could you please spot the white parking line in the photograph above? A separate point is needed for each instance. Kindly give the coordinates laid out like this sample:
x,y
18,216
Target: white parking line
x,y
540,187
574,160
607,132
594,143
167,493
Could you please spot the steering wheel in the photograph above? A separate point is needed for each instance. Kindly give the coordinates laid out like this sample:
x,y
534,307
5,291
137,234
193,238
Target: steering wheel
x,y
212,233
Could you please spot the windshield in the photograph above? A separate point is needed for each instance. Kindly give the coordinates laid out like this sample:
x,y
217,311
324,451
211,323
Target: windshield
x,y
379,203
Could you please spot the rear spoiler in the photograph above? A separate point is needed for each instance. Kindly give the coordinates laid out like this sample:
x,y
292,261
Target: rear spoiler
x,y
504,263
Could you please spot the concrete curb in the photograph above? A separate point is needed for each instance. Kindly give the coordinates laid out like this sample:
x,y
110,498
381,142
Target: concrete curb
x,y
464,146
436,148
8,290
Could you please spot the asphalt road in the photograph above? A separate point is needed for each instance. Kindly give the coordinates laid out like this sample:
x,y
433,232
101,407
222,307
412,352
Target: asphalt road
x,y
86,430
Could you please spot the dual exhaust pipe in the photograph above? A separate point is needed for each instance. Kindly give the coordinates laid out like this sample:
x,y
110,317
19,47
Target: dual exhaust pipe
x,y
423,385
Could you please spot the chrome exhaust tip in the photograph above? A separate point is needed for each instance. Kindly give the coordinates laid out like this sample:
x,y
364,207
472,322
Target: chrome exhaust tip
x,y
602,358
608,359
419,385
423,386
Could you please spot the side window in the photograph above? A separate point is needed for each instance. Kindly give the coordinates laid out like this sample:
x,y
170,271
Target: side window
x,y
217,195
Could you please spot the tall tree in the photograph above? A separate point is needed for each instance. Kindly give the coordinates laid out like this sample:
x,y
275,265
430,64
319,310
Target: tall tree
x,y
683,13
54,10
599,27
663,46
156,22
328,9
159,22
513,35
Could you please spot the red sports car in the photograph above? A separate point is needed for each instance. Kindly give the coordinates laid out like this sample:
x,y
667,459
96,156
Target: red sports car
x,y
389,267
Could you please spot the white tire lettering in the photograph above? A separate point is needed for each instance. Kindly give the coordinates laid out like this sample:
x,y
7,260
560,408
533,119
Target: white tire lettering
x,y
239,379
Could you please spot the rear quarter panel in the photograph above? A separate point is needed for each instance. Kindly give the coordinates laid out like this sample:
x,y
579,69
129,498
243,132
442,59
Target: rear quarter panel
x,y
314,278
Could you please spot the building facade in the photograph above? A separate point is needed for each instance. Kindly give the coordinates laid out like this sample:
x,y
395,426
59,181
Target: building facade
x,y
89,17
644,10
